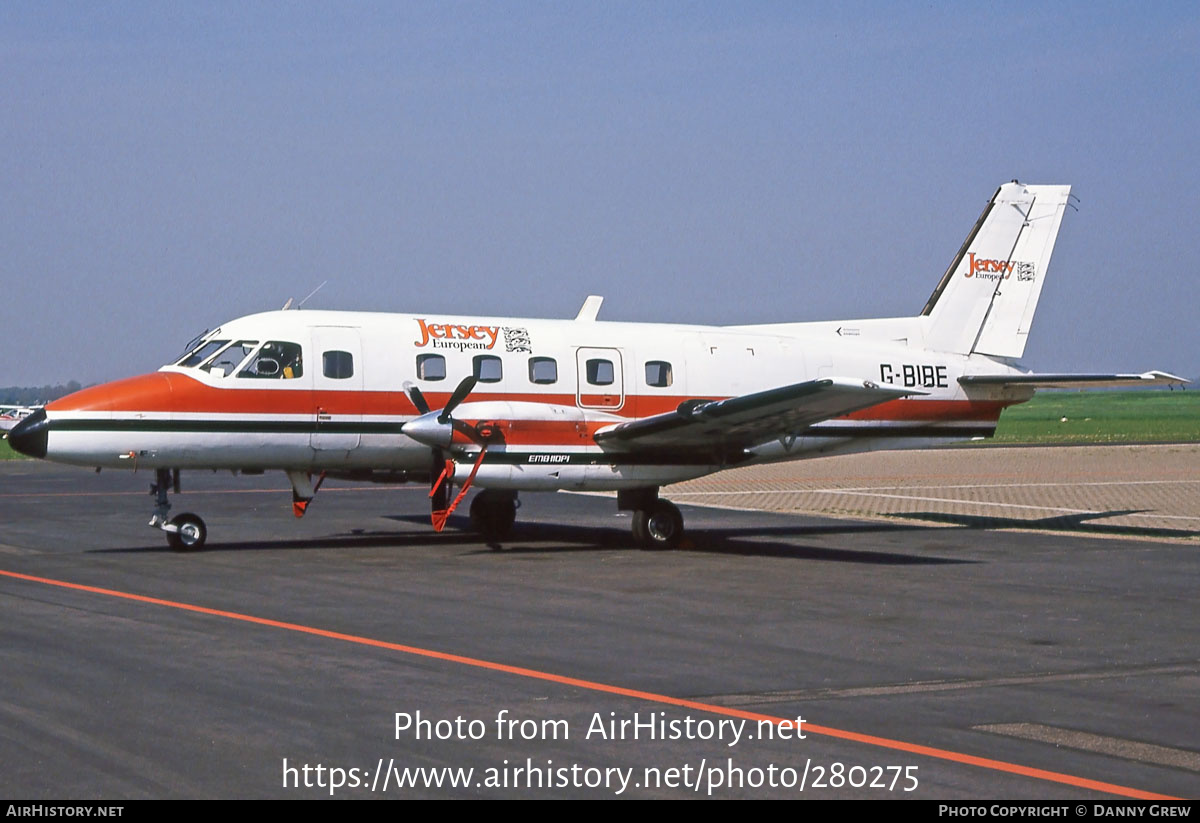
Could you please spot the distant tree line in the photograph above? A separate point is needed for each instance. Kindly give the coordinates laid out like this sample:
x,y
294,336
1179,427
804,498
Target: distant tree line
x,y
35,395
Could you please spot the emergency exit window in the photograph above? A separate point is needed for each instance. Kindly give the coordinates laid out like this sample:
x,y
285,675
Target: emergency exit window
x,y
600,372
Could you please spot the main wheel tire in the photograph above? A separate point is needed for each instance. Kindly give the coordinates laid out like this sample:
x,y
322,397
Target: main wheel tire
x,y
191,533
659,527
493,514
639,527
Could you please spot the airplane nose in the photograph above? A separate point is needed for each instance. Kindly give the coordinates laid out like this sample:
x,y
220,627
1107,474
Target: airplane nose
x,y
31,434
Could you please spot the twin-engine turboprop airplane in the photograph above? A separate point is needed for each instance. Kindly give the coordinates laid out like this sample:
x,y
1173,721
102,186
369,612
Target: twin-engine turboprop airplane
x,y
511,405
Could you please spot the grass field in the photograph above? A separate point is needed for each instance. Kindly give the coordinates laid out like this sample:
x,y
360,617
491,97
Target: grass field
x,y
1090,417
6,452
1103,417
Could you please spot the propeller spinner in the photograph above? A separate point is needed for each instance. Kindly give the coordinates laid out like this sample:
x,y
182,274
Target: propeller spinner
x,y
436,429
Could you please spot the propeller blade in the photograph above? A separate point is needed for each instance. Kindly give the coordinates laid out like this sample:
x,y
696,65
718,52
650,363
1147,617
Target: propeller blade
x,y
460,394
416,398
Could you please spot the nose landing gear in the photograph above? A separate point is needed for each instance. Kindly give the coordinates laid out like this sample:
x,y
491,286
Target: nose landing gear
x,y
190,532
185,532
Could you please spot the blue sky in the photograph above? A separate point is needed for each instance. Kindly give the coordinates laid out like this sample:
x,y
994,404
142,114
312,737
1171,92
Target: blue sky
x,y
167,167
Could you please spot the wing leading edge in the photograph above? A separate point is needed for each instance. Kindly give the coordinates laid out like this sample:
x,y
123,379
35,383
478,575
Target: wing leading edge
x,y
740,422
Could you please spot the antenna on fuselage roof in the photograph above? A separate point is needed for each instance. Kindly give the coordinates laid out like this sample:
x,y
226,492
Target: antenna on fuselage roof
x,y
288,304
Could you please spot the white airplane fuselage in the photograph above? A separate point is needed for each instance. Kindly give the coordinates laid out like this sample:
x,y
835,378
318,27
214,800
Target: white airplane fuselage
x,y
534,382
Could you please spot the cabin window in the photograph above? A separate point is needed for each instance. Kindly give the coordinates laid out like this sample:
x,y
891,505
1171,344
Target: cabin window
x,y
600,372
658,373
431,367
227,361
338,365
543,370
487,368
276,360
202,353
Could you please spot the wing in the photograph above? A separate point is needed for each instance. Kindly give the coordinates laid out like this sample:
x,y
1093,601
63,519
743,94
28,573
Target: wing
x,y
740,422
1072,381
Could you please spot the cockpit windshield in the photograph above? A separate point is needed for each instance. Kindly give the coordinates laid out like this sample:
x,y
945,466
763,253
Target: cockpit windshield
x,y
202,352
224,363
273,360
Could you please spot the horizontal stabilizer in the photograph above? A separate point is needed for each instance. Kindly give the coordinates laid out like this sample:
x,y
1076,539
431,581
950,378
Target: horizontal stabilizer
x,y
1073,381
743,421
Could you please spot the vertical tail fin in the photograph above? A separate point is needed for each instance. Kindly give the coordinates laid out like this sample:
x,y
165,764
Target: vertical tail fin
x,y
986,299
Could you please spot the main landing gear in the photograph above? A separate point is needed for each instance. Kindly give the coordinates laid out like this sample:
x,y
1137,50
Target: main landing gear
x,y
657,523
185,532
493,512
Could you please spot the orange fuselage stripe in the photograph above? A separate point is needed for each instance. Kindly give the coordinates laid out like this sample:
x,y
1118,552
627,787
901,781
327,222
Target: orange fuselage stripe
x,y
170,392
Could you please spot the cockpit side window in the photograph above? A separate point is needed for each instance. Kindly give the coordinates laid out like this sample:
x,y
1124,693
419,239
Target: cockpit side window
x,y
276,360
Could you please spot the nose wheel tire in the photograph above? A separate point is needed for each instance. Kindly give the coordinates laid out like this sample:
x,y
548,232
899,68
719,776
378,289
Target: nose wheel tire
x,y
658,527
190,533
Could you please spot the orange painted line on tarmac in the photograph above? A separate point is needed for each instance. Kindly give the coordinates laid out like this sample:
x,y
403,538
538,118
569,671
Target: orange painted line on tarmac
x,y
286,490
637,694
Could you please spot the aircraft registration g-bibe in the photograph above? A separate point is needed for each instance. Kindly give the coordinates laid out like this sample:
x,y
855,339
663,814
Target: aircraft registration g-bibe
x,y
509,405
